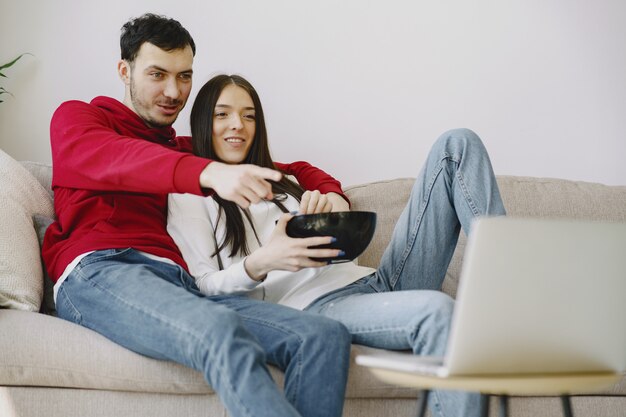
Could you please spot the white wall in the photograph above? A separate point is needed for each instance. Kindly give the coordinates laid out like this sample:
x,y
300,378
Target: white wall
x,y
360,88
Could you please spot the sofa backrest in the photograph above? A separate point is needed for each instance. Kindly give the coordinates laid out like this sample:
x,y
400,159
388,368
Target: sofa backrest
x,y
43,173
522,196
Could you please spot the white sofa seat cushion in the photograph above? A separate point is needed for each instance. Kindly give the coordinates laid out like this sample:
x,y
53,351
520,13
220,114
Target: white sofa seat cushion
x,y
21,197
75,357
72,356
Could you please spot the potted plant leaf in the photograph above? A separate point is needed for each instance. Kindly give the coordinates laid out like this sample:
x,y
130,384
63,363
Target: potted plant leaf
x,y
5,66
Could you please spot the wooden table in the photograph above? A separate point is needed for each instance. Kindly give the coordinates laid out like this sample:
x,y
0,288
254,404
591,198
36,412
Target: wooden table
x,y
502,386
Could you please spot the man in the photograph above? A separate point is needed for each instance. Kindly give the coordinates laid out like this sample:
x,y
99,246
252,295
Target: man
x,y
119,273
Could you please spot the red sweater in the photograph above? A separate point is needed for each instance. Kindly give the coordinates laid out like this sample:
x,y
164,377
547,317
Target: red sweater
x,y
111,176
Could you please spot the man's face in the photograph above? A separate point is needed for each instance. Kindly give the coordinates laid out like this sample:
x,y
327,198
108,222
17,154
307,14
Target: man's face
x,y
158,83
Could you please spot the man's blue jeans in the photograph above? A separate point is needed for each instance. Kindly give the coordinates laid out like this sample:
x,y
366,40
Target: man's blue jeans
x,y
154,308
401,306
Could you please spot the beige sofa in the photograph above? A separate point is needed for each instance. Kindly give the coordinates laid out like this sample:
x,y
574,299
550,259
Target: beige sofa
x,y
53,368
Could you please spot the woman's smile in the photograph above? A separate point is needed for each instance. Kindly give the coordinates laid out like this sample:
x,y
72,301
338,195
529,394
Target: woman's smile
x,y
234,140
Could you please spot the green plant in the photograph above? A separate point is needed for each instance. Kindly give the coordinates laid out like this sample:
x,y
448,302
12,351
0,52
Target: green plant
x,y
5,66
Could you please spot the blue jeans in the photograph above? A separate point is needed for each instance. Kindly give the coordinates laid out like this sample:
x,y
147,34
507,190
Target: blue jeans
x,y
401,306
155,309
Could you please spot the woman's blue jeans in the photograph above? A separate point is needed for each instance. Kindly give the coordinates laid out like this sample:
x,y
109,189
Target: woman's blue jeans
x,y
155,309
401,306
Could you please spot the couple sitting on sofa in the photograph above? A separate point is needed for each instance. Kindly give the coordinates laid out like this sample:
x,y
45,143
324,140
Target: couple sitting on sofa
x,y
226,290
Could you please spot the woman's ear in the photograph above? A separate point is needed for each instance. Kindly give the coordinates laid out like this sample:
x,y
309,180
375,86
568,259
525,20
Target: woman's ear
x,y
123,71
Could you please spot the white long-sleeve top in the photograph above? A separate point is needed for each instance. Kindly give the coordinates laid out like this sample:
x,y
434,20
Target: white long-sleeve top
x,y
191,222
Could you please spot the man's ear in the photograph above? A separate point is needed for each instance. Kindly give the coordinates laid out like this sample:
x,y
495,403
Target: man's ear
x,y
123,71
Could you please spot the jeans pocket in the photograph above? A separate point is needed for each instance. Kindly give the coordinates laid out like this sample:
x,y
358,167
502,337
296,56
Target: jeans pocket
x,y
65,308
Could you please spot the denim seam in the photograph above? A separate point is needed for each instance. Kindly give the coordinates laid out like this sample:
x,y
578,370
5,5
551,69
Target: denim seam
x,y
468,198
436,407
422,341
464,189
378,329
231,389
418,222
408,330
230,386
298,356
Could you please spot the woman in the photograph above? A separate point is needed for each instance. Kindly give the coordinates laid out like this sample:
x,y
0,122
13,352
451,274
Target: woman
x,y
398,306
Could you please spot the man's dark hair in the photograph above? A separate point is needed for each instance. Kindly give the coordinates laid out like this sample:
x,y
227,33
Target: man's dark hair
x,y
168,34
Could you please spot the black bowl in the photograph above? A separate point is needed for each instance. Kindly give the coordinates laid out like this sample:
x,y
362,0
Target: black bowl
x,y
352,229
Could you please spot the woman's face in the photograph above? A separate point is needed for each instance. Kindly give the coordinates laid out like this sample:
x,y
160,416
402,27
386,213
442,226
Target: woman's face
x,y
234,124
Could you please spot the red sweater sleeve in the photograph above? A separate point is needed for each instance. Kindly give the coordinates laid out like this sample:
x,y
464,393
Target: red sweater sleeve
x,y
91,151
312,178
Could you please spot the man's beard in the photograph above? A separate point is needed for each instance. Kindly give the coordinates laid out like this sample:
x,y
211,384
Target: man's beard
x,y
143,110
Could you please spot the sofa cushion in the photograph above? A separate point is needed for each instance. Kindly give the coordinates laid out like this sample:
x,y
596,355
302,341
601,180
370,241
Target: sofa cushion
x,y
549,198
522,197
41,224
42,172
21,197
56,353
559,198
387,199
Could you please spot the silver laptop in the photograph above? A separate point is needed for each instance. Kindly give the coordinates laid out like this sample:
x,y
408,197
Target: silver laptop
x,y
535,296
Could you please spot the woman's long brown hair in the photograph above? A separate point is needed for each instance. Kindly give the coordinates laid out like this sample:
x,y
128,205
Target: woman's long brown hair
x,y
202,114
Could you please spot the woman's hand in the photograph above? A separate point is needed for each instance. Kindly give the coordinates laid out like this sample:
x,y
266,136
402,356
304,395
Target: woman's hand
x,y
338,202
286,253
315,202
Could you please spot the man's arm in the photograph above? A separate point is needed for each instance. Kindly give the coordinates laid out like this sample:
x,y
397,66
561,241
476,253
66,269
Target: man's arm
x,y
312,178
309,177
89,154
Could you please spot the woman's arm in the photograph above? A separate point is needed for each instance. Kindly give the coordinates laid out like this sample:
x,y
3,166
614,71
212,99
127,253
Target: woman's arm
x,y
316,202
284,253
188,223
